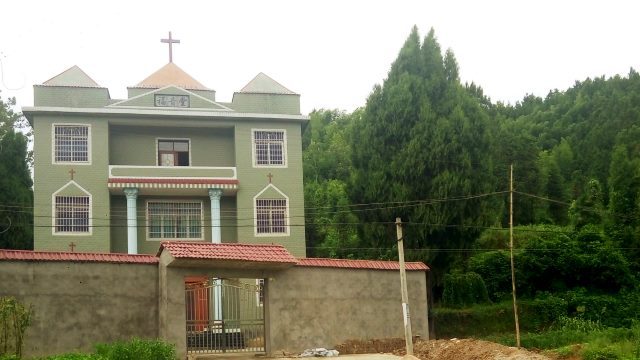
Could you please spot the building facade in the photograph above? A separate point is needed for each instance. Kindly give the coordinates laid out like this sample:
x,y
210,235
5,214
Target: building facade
x,y
167,163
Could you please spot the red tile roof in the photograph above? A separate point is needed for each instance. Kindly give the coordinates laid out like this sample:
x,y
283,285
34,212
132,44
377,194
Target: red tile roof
x,y
361,264
172,181
227,251
28,255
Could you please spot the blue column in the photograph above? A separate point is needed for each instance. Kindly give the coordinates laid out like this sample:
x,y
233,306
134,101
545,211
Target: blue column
x,y
215,195
132,220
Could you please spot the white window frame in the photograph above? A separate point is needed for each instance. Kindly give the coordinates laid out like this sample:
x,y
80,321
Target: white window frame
x,y
54,213
158,139
286,213
148,219
53,144
284,149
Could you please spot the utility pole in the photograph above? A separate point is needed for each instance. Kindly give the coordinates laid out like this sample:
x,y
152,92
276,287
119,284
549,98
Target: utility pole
x,y
513,273
403,284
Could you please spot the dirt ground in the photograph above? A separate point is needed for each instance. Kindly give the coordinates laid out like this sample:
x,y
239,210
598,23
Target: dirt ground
x,y
454,349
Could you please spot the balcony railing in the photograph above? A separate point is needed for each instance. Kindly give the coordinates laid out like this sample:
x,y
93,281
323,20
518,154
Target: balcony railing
x,y
166,172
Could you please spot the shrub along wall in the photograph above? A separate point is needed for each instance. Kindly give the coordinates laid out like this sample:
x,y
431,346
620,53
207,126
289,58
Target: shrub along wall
x,y
484,320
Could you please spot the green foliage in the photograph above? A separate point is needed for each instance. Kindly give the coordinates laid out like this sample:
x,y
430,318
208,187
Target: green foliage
x,y
422,135
552,259
462,290
137,349
599,353
134,349
495,269
15,318
9,357
329,221
566,323
16,195
74,356
615,310
486,320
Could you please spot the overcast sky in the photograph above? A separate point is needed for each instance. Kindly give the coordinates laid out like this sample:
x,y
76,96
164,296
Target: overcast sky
x,y
331,52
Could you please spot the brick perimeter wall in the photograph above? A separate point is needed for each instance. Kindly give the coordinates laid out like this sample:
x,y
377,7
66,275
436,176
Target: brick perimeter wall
x,y
323,307
80,304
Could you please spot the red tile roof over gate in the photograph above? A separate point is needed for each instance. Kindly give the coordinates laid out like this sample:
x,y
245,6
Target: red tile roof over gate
x,y
28,255
226,251
361,264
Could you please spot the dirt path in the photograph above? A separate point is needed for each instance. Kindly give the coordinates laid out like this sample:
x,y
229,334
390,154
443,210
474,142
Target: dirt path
x,y
454,349
468,349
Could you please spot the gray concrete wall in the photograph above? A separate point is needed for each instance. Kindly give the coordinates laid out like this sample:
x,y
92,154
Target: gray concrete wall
x,y
323,307
80,304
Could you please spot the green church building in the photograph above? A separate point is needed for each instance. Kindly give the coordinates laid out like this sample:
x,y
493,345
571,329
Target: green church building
x,y
167,163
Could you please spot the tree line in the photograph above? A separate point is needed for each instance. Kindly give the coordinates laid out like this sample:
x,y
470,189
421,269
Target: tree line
x,y
436,152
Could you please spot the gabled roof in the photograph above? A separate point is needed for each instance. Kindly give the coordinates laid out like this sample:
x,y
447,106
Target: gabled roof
x,y
171,74
263,84
28,255
226,251
361,264
73,76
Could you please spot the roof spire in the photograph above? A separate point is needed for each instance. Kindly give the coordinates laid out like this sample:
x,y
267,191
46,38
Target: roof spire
x,y
170,41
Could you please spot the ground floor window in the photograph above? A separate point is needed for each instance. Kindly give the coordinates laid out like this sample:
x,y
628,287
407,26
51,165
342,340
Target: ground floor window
x,y
174,219
72,214
271,216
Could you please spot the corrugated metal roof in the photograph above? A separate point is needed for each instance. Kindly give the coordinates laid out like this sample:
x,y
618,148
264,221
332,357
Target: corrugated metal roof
x,y
226,251
263,84
72,77
27,255
171,74
361,264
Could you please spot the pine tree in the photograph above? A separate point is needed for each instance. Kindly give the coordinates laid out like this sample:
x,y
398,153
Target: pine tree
x,y
16,195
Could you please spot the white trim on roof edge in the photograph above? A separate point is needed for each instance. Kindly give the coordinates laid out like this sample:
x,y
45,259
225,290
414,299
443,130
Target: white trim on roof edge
x,y
28,110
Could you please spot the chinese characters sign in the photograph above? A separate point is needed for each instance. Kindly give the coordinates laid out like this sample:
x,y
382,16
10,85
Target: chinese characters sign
x,y
172,100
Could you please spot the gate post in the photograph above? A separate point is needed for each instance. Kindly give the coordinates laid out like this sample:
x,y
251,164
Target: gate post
x,y
266,314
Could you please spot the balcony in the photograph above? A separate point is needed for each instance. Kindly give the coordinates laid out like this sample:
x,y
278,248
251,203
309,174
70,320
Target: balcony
x,y
172,180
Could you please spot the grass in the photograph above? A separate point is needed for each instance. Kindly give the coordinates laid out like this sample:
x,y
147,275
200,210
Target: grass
x,y
596,342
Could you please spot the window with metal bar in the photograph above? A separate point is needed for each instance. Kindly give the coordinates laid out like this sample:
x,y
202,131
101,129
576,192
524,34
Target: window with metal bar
x,y
269,147
174,220
173,152
72,214
271,216
71,143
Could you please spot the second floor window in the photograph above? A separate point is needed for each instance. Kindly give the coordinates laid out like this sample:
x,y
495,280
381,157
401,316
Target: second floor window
x,y
269,148
72,214
71,143
173,152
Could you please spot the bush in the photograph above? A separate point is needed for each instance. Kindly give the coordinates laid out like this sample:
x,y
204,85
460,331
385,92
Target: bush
x,y
495,269
599,353
464,290
74,356
619,310
14,320
137,349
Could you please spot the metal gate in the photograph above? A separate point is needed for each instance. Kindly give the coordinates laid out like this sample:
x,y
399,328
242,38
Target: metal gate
x,y
225,315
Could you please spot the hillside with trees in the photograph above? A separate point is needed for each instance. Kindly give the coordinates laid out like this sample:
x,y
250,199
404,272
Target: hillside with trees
x,y
436,152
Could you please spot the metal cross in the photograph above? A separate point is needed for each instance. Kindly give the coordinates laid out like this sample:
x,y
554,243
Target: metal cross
x,y
72,246
72,172
270,176
170,41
